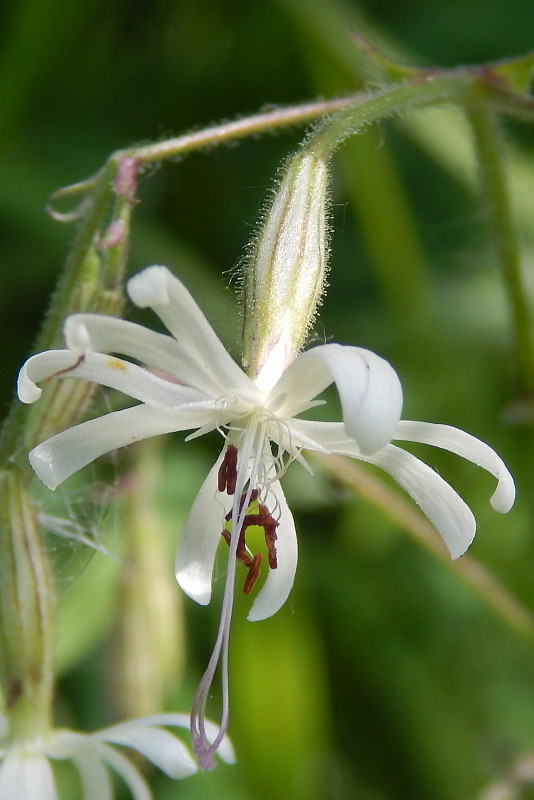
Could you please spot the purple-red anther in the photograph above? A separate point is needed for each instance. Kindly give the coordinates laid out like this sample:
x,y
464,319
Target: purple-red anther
x,y
241,552
264,519
227,476
253,573
269,525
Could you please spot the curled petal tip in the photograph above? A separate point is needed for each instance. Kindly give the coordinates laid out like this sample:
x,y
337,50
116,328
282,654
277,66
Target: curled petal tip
x,y
468,447
149,287
373,421
503,497
27,390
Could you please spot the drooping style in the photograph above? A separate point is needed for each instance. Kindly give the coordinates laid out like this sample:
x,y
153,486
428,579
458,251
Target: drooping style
x,y
189,382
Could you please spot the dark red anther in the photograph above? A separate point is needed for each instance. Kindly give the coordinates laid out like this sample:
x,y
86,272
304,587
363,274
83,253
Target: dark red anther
x,y
262,518
253,573
269,526
241,552
227,475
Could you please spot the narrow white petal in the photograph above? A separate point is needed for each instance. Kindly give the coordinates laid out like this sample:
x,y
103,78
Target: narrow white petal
x,y
105,370
468,447
26,776
157,288
439,502
95,777
62,455
368,387
101,333
157,745
128,772
199,539
279,583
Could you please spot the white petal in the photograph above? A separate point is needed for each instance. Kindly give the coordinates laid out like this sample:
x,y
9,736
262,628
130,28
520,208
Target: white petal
x,y
107,371
438,501
101,333
199,539
157,745
95,777
159,289
279,583
62,455
468,447
26,777
368,387
128,772
225,751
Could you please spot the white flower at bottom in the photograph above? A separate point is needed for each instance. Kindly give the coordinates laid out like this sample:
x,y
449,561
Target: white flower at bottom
x,y
26,771
195,385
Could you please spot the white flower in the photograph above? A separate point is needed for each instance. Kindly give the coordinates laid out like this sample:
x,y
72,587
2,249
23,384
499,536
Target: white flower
x,y
195,385
26,771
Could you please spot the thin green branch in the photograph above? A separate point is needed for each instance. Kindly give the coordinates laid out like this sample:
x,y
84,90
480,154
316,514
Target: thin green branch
x,y
495,195
236,129
431,89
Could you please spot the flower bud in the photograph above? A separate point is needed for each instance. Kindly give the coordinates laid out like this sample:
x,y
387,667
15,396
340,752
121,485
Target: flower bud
x,y
65,402
286,272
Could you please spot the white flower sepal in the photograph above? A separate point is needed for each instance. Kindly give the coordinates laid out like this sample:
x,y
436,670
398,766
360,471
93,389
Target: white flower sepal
x,y
26,768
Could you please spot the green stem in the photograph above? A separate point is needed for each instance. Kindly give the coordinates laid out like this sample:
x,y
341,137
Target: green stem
x,y
211,136
237,129
369,109
494,191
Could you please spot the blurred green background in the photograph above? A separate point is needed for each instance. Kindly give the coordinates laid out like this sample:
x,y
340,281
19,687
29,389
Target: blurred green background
x,y
387,676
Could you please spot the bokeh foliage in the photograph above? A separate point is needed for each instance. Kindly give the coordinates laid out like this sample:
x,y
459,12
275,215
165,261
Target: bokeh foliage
x,y
387,676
